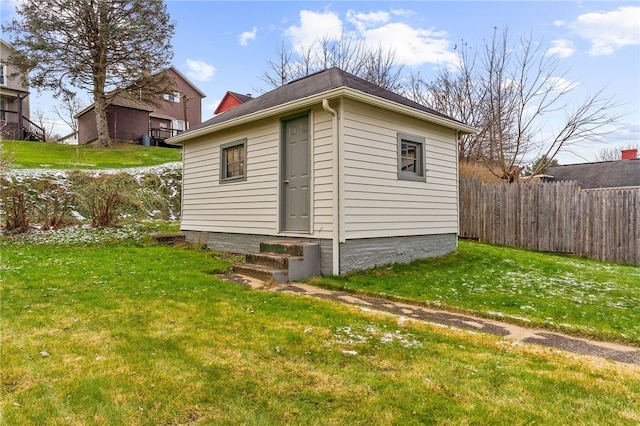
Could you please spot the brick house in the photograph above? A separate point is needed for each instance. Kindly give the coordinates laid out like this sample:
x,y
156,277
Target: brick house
x,y
131,120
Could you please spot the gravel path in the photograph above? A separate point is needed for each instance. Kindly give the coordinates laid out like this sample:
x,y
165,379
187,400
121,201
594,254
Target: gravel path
x,y
606,350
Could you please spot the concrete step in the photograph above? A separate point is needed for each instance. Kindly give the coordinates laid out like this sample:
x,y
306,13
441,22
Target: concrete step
x,y
282,260
293,248
275,260
261,272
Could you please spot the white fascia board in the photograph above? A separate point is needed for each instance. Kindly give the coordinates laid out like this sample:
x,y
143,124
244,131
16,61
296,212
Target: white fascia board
x,y
407,110
316,99
258,115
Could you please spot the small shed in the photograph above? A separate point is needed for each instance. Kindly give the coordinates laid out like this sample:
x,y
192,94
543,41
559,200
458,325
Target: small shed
x,y
368,175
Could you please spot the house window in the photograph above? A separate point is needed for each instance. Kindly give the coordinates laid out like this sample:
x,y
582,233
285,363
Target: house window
x,y
172,97
3,75
178,125
411,158
233,158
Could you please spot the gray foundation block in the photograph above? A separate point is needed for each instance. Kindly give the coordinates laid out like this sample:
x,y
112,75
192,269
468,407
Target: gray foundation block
x,y
371,252
355,255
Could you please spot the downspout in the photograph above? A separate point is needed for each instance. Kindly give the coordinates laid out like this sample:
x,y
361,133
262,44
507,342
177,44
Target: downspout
x,y
336,189
457,186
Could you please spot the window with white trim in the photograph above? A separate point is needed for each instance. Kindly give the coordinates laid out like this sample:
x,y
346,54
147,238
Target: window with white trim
x,y
233,158
178,125
172,97
411,157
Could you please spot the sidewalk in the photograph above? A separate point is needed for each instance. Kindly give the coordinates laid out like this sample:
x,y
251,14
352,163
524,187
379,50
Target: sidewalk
x,y
612,351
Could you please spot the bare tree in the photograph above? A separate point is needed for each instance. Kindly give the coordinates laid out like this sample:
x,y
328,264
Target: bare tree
x,y
615,153
454,93
509,92
279,70
376,65
39,117
99,46
68,109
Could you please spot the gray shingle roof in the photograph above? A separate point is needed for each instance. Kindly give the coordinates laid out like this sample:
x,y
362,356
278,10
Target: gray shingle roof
x,y
606,174
332,78
242,98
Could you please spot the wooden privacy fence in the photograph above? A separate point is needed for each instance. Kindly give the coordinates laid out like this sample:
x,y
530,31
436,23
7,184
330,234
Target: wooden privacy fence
x,y
602,224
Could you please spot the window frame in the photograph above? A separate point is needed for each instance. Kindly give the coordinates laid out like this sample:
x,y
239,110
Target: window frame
x,y
420,175
179,125
5,70
224,165
172,97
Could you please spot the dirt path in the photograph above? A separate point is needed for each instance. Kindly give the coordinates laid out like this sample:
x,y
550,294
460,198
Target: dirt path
x,y
612,351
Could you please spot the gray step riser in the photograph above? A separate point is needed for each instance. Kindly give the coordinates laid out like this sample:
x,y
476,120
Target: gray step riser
x,y
281,248
274,261
279,276
281,261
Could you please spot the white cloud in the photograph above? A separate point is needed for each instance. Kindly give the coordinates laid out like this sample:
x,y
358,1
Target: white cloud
x,y
609,31
199,70
247,36
413,46
562,48
362,21
402,12
314,26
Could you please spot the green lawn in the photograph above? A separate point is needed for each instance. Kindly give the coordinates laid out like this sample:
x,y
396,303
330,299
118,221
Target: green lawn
x,y
40,155
577,296
131,333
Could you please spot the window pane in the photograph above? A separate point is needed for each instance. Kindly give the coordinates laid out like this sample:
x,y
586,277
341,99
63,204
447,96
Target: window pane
x,y
409,157
233,158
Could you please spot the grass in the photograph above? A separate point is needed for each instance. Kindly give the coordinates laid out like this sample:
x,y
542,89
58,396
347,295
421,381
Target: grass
x,y
570,294
40,155
123,332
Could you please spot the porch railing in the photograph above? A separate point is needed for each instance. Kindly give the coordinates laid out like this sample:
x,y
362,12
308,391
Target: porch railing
x,y
12,126
162,133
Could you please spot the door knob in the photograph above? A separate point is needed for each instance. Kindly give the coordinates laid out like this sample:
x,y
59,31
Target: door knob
x,y
286,181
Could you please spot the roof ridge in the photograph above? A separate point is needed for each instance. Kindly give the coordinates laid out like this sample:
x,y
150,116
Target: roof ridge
x,y
325,80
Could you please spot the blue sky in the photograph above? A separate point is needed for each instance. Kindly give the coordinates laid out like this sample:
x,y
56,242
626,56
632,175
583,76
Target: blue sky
x,y
224,46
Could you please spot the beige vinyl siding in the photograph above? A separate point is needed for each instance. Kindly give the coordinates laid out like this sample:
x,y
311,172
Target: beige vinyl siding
x,y
322,173
376,203
249,206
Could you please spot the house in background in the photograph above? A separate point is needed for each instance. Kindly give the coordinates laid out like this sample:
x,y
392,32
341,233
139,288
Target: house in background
x,y
231,100
70,139
366,175
604,174
131,120
14,103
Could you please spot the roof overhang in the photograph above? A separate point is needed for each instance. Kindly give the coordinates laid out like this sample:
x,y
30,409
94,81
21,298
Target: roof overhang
x,y
340,92
13,92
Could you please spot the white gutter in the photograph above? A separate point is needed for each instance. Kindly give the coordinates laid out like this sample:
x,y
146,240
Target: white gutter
x,y
457,187
315,99
335,189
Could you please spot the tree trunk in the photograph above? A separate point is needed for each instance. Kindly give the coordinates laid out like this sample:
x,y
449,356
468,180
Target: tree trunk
x,y
102,126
